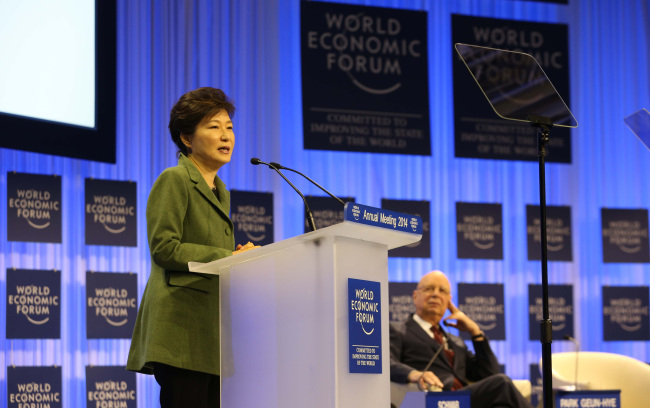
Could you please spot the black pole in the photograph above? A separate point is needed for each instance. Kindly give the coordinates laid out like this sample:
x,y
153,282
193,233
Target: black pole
x,y
545,325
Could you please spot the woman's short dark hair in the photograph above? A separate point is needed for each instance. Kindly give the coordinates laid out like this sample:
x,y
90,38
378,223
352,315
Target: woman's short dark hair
x,y
192,108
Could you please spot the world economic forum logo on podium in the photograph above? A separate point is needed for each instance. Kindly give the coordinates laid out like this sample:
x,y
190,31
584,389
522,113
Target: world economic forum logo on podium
x,y
364,312
414,224
356,212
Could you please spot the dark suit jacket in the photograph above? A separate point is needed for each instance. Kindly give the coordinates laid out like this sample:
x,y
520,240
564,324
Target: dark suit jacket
x,y
411,348
178,319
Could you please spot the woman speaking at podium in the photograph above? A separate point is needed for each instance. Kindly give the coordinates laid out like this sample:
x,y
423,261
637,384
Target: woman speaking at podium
x,y
176,334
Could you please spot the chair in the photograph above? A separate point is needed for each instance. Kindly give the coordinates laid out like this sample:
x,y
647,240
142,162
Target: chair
x,y
398,391
604,371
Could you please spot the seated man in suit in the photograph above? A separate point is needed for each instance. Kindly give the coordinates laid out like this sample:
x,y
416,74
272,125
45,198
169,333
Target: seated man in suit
x,y
413,344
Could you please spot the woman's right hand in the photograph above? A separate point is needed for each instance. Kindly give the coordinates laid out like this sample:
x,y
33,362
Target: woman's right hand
x,y
243,248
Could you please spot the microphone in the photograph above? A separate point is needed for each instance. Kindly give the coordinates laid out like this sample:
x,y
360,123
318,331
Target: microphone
x,y
433,387
574,341
310,217
279,166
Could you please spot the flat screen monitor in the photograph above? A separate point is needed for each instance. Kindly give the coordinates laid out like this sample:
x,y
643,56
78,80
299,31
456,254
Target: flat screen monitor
x,y
58,77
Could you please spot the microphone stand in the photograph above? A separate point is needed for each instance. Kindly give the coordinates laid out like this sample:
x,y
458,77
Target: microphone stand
x,y
429,365
279,166
310,216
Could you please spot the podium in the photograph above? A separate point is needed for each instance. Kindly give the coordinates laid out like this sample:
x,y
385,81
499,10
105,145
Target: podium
x,y
285,314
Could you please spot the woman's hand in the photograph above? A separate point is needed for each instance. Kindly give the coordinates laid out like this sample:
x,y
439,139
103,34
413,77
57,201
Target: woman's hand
x,y
243,248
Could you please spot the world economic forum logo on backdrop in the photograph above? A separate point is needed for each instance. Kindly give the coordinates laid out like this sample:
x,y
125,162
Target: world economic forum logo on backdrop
x,y
364,44
110,386
483,303
33,208
111,213
364,78
34,387
252,216
625,313
479,231
364,312
625,235
33,304
111,305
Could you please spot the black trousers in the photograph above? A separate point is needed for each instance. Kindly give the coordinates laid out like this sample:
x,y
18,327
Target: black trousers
x,y
180,388
496,391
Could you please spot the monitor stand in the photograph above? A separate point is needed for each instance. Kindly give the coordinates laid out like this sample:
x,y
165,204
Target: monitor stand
x,y
517,88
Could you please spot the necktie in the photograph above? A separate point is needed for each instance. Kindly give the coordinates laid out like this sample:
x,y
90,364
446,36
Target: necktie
x,y
438,337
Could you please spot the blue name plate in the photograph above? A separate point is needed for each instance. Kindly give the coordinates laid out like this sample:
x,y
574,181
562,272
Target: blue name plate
x,y
448,399
378,217
588,399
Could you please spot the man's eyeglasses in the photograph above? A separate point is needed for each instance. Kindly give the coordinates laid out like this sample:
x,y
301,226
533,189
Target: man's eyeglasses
x,y
431,289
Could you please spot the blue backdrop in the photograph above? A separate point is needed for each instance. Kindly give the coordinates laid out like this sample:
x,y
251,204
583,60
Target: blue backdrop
x,y
251,49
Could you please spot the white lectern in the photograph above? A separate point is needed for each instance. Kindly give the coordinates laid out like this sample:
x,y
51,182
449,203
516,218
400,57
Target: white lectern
x,y
284,315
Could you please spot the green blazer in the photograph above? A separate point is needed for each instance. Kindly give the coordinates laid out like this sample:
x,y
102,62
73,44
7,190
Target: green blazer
x,y
178,319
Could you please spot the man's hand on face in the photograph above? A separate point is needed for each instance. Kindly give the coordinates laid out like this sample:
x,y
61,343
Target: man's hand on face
x,y
463,322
